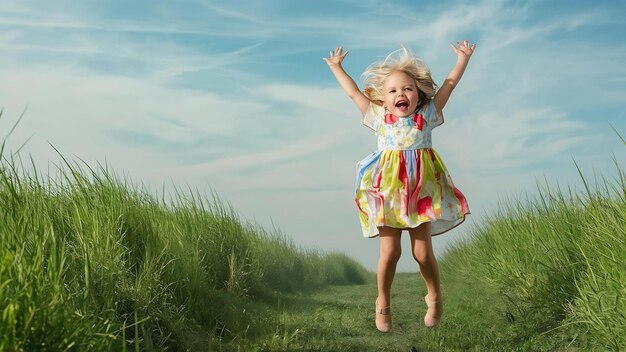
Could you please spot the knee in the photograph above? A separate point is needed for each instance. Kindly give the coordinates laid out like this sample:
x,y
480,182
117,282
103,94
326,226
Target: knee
x,y
391,254
423,256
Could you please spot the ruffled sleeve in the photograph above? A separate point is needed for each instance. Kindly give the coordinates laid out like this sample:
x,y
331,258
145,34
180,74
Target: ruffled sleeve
x,y
372,117
433,117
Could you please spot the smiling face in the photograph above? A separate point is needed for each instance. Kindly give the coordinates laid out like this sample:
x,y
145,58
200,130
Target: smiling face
x,y
400,94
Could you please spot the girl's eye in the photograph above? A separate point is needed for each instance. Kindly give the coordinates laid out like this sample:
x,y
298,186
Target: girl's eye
x,y
408,89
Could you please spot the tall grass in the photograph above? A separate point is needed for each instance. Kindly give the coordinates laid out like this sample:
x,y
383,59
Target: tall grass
x,y
560,261
89,261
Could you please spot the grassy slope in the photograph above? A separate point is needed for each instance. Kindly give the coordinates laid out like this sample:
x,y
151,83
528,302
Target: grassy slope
x,y
91,262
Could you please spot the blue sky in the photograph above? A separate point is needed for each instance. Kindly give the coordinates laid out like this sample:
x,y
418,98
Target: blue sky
x,y
236,98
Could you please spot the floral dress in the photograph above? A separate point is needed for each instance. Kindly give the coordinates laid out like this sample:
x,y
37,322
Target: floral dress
x,y
405,183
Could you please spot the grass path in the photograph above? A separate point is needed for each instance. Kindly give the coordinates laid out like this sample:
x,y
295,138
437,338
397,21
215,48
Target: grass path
x,y
341,318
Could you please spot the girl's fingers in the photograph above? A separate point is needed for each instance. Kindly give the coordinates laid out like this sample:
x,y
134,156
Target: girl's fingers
x,y
463,47
336,54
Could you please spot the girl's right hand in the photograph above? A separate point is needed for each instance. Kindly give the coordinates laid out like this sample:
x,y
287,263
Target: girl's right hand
x,y
336,57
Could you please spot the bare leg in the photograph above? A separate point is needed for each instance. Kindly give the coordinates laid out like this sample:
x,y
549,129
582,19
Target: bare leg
x,y
422,247
390,251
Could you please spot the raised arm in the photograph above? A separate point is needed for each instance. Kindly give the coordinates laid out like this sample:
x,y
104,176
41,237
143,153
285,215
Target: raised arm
x,y
345,81
463,53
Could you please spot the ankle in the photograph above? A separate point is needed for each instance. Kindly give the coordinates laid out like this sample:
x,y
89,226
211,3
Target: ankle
x,y
383,302
383,311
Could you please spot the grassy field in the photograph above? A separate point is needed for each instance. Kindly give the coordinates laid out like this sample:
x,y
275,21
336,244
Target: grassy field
x,y
90,261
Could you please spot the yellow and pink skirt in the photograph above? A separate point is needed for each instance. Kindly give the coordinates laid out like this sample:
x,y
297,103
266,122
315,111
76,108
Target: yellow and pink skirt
x,y
406,188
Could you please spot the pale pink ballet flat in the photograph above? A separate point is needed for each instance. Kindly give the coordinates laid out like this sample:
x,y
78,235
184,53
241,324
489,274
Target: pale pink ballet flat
x,y
433,315
383,318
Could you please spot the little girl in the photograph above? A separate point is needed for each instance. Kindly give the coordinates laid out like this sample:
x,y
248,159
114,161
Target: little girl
x,y
404,185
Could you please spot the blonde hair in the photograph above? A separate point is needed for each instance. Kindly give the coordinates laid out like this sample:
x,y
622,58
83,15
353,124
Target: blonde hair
x,y
400,60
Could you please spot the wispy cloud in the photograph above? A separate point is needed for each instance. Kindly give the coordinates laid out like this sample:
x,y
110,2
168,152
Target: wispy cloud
x,y
55,16
252,159
489,142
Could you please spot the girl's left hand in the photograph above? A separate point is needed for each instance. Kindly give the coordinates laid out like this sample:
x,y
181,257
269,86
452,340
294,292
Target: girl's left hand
x,y
464,51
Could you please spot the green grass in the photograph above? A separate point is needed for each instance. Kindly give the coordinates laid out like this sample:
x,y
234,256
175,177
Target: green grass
x,y
89,261
560,262
341,318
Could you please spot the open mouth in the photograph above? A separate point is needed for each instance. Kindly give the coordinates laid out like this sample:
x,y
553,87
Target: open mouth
x,y
402,104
